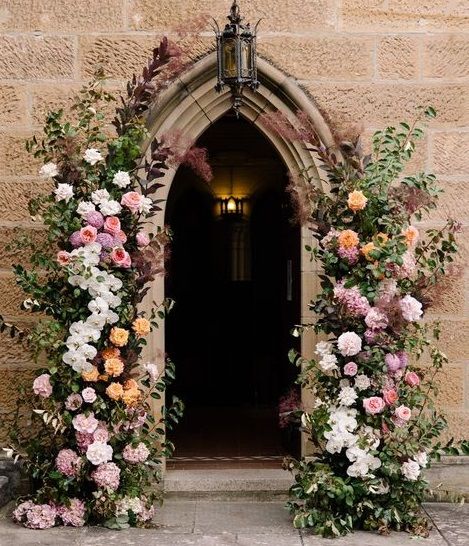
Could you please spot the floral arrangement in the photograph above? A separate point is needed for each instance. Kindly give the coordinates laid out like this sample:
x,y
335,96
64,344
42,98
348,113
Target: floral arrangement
x,y
289,407
95,452
373,427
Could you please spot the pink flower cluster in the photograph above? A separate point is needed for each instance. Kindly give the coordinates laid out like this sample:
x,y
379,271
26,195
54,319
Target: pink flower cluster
x,y
107,475
351,255
74,514
35,516
68,462
42,386
85,439
137,454
351,298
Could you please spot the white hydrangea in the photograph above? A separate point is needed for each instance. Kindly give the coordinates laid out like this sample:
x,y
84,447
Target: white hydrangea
x,y
347,396
324,348
110,208
98,453
84,208
411,470
129,503
63,192
49,170
92,156
121,179
328,363
362,382
98,196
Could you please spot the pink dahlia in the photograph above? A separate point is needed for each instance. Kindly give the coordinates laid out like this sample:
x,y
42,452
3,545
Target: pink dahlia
x,y
107,475
68,462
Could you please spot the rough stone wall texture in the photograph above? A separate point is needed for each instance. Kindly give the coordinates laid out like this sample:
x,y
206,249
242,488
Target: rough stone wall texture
x,y
367,62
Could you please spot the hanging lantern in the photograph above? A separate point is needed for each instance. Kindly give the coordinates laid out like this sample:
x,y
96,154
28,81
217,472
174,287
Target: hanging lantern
x,y
236,55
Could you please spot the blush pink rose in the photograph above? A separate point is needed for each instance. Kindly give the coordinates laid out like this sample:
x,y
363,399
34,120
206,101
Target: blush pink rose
x,y
121,257
373,405
42,386
121,237
143,239
132,200
403,412
112,225
63,257
390,396
350,369
88,234
412,379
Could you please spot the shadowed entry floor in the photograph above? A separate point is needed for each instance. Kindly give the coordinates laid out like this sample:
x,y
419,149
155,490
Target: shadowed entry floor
x,y
236,283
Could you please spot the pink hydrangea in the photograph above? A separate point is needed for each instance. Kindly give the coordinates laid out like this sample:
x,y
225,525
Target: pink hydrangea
x,y
376,319
411,308
74,514
40,516
21,510
370,336
351,255
101,434
392,362
106,240
387,290
329,238
349,344
107,475
73,402
351,298
42,386
68,462
134,455
95,219
83,440
85,423
146,514
403,358
75,239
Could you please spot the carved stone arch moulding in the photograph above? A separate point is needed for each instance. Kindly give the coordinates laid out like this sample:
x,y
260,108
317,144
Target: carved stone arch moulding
x,y
191,104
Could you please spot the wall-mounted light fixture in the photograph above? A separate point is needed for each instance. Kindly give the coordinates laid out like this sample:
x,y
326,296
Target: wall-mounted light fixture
x,y
236,54
232,206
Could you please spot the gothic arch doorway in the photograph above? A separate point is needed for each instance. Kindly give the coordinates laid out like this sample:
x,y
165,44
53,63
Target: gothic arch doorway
x,y
191,105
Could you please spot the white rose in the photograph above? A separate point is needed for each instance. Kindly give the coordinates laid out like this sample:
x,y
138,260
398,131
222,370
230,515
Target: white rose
x,y
145,205
84,208
63,192
98,453
421,458
88,395
324,348
98,196
328,363
152,370
49,170
362,382
92,156
121,179
110,208
411,470
347,396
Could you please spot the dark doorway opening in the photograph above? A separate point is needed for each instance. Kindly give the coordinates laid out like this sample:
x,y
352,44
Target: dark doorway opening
x,y
236,283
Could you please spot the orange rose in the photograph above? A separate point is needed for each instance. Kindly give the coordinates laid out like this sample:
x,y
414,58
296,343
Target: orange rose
x,y
131,397
411,235
348,238
110,352
356,201
130,384
366,249
119,336
92,375
141,326
114,366
115,391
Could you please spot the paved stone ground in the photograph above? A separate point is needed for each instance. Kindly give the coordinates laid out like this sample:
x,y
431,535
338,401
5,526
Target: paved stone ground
x,y
227,523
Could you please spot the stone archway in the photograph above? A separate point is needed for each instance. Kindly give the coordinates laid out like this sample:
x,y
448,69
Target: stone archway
x,y
191,104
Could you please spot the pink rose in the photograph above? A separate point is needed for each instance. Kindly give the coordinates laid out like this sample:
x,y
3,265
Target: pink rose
x,y
63,257
42,386
121,257
143,239
132,200
349,344
350,369
88,395
121,237
112,225
88,234
373,405
412,379
390,396
403,412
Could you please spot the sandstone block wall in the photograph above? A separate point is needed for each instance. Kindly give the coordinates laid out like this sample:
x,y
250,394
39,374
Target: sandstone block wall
x,y
367,62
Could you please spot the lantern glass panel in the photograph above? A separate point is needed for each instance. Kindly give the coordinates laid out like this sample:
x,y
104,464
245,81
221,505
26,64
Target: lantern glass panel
x,y
246,58
229,59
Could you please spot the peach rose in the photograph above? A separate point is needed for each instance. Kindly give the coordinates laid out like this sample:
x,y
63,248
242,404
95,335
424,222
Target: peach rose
x,y
411,235
373,405
121,257
366,249
403,412
115,391
88,234
412,379
63,257
130,384
390,396
119,336
141,326
112,225
92,375
114,366
110,352
356,201
132,200
348,239
131,397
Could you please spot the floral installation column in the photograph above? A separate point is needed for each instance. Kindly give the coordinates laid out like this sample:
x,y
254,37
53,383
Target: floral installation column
x,y
373,427
96,458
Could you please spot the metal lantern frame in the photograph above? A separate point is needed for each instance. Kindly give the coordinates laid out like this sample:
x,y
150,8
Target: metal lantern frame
x,y
236,56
